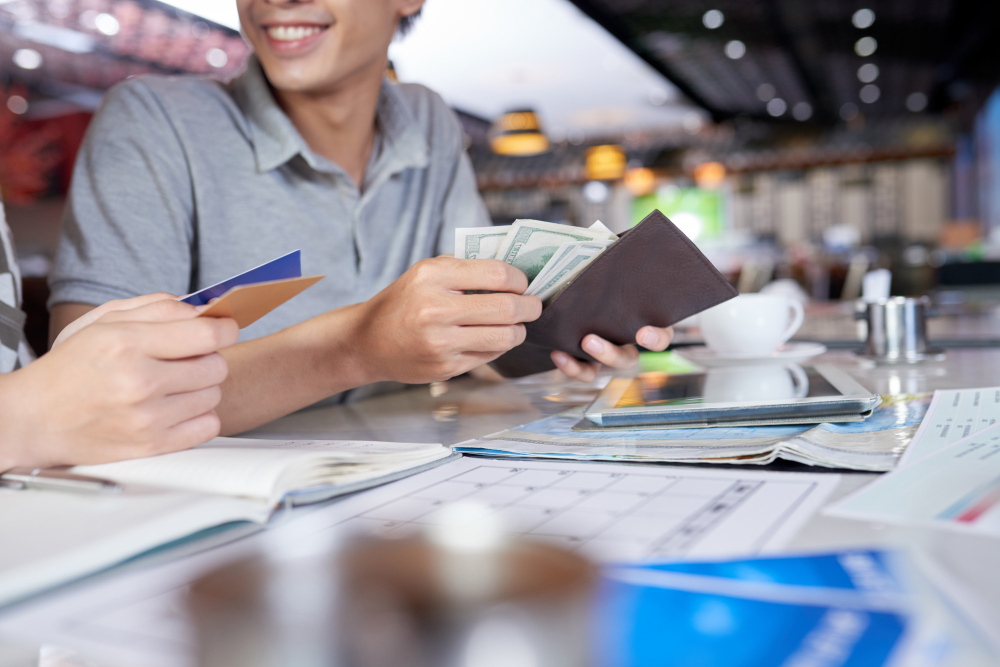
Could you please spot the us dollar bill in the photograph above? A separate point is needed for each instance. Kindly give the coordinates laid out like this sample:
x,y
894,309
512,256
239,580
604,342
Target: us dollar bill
x,y
598,226
479,242
560,254
530,244
575,261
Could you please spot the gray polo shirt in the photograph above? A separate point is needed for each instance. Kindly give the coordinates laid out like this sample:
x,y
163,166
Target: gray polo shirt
x,y
182,182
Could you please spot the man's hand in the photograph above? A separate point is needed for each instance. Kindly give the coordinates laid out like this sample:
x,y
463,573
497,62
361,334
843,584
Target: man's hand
x,y
615,356
423,328
133,382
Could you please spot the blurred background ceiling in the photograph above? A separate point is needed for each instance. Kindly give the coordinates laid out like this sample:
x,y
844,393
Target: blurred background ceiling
x,y
586,66
489,56
71,51
825,61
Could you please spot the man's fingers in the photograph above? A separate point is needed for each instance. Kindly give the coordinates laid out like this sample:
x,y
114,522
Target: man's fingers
x,y
493,309
654,338
584,372
489,339
182,339
490,275
615,356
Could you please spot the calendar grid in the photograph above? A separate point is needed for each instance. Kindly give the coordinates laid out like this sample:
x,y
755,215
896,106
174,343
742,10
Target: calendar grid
x,y
611,514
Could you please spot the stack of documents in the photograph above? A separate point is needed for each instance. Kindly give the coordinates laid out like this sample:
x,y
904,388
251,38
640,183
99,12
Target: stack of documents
x,y
550,255
874,444
855,607
947,479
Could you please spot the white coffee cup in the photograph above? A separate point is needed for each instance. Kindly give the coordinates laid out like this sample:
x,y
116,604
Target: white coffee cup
x,y
750,324
755,383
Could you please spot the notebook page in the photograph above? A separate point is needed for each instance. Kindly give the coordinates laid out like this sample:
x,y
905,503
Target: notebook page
x,y
246,467
50,538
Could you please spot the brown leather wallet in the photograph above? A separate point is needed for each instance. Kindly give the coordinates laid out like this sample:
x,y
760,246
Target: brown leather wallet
x,y
653,275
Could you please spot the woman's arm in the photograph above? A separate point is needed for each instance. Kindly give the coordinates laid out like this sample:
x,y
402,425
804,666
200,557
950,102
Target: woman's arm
x,y
136,382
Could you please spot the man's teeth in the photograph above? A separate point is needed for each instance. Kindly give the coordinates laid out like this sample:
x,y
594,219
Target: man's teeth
x,y
290,33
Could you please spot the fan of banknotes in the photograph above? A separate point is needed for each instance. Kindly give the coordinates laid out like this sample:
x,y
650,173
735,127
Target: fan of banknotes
x,y
550,255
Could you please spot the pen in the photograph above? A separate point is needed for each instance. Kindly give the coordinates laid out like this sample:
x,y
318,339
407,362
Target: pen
x,y
56,479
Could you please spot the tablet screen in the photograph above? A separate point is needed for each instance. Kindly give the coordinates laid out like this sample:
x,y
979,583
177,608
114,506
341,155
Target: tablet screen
x,y
724,385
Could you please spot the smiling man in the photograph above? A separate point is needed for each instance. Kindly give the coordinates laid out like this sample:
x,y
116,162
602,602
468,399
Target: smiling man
x,y
185,181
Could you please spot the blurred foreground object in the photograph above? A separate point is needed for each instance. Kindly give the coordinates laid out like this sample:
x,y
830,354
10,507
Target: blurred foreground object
x,y
463,597
848,608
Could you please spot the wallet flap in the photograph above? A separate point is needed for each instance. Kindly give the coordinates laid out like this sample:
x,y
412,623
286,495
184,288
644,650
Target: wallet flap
x,y
654,275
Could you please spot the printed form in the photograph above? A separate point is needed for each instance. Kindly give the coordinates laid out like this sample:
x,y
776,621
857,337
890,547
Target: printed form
x,y
956,487
953,414
609,512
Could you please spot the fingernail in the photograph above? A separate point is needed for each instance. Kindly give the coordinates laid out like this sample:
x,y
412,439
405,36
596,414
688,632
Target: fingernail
x,y
593,346
648,338
560,358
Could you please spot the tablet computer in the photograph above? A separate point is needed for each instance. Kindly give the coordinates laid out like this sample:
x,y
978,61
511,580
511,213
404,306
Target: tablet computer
x,y
744,395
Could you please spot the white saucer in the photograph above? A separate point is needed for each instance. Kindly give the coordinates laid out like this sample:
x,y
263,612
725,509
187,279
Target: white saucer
x,y
787,353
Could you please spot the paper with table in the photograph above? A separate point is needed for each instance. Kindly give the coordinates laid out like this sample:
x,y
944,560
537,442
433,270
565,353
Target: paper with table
x,y
52,537
250,295
609,512
613,513
874,444
956,487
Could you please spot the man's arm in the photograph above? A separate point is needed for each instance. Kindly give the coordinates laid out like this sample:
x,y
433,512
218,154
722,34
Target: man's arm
x,y
421,328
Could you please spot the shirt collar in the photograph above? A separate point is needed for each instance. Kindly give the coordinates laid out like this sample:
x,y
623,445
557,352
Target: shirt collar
x,y
275,139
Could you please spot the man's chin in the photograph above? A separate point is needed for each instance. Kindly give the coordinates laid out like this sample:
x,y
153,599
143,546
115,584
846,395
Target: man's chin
x,y
295,78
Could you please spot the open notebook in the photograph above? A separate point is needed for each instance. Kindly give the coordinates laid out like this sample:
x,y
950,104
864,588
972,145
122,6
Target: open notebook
x,y
51,538
270,471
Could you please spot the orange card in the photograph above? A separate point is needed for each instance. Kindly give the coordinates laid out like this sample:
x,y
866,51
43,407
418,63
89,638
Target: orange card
x,y
248,303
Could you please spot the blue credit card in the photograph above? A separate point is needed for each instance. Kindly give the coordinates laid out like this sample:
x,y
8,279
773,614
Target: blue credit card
x,y
286,266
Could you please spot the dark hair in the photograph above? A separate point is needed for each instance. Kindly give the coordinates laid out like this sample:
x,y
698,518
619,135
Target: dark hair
x,y
406,22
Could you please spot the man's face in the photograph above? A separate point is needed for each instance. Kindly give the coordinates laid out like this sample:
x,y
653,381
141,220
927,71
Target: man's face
x,y
314,46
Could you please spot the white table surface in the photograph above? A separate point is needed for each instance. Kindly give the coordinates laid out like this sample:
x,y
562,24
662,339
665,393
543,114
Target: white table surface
x,y
463,409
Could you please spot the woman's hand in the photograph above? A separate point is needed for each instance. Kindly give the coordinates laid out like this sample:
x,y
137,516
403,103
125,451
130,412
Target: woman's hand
x,y
130,382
